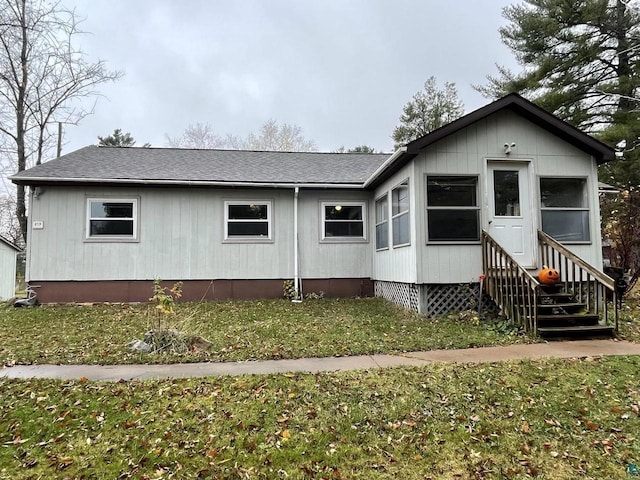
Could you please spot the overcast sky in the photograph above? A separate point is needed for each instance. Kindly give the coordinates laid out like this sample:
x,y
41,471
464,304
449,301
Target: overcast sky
x,y
340,69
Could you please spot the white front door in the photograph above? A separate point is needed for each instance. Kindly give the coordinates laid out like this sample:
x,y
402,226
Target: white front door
x,y
511,220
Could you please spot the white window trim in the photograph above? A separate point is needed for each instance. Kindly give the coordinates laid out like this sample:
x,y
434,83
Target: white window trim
x,y
361,239
112,238
377,223
249,238
477,208
405,182
569,209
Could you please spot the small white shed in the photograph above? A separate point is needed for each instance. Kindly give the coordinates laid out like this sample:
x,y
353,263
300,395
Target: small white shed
x,y
8,258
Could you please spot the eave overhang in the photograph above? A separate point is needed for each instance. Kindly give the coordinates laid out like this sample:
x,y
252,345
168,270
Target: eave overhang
x,y
123,182
601,152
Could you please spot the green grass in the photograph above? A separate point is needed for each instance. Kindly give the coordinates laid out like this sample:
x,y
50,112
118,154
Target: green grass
x,y
271,329
629,317
552,419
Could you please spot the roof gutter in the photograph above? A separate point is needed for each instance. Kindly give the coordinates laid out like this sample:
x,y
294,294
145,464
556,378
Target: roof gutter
x,y
10,244
397,154
124,181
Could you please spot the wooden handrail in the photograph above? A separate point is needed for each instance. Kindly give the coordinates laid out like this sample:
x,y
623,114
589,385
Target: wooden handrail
x,y
586,282
596,274
510,285
516,291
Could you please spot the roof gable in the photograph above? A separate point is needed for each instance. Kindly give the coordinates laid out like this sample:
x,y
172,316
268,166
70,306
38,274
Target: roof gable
x,y
516,103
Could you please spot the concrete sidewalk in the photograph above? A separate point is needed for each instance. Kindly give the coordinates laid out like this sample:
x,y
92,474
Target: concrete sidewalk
x,y
558,349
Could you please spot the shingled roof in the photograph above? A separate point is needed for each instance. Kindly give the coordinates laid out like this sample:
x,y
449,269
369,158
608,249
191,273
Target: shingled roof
x,y
138,165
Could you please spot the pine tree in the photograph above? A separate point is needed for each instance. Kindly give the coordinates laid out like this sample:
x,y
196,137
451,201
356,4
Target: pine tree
x,y
428,109
117,139
581,61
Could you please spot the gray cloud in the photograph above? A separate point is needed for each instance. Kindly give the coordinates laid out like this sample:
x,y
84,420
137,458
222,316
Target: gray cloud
x,y
340,69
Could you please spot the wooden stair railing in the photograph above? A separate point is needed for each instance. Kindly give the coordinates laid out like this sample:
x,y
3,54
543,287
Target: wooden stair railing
x,y
588,284
510,285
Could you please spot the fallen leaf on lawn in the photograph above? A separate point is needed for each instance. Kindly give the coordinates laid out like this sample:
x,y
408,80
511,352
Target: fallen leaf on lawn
x,y
212,453
525,427
591,426
65,462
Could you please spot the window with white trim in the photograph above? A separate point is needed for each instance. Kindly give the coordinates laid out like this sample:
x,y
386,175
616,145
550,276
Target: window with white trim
x,y
453,212
247,220
343,221
112,219
400,214
564,208
382,222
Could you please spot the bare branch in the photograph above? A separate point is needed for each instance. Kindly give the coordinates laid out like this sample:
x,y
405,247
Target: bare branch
x,y
44,78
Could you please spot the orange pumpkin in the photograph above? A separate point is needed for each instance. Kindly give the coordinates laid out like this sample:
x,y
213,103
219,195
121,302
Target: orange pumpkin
x,y
548,276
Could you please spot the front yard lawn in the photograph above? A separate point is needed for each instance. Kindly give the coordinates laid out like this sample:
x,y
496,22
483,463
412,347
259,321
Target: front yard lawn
x,y
250,330
629,316
551,419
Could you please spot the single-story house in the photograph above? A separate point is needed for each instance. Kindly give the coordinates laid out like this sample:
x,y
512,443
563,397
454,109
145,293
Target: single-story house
x,y
106,221
8,258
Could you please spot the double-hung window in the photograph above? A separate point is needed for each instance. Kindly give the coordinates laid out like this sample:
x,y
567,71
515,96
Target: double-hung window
x,y
112,219
382,222
247,220
453,211
400,214
564,208
343,221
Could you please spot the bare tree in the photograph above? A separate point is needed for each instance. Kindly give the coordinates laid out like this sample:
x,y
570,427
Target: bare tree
x,y
9,226
272,137
44,79
198,135
276,138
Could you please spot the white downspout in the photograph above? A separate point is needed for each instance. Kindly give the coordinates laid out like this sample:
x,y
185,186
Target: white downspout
x,y
296,279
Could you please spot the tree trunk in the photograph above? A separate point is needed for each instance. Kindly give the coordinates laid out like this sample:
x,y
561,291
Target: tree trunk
x,y
624,70
21,210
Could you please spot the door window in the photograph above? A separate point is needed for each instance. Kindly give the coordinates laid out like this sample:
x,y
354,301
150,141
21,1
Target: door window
x,y
506,193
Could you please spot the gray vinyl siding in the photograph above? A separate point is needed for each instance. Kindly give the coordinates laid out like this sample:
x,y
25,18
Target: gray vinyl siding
x,y
7,271
467,152
181,236
181,230
397,264
332,260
